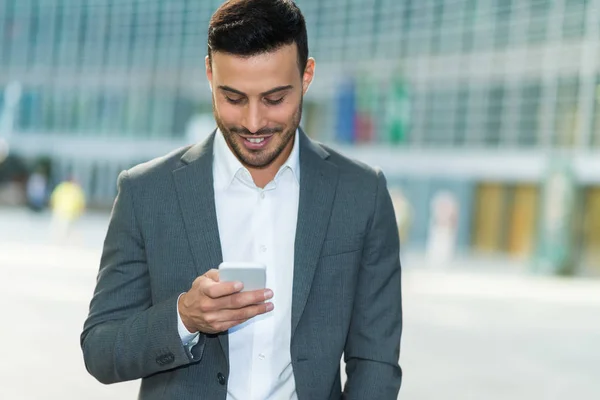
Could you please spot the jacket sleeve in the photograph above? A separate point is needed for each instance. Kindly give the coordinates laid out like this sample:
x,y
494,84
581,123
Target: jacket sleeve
x,y
126,336
373,344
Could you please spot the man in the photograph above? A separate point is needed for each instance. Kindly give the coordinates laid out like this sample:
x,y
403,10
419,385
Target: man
x,y
258,190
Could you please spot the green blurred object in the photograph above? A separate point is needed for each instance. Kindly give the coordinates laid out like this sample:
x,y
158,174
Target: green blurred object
x,y
555,250
398,110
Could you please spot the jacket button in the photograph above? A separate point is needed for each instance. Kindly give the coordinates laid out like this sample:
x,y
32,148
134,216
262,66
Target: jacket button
x,y
165,359
221,378
169,358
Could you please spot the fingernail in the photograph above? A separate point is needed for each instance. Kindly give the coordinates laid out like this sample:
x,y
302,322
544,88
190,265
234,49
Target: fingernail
x,y
270,306
238,286
268,294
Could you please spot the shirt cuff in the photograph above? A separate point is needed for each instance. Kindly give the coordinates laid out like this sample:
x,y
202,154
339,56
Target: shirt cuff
x,y
187,338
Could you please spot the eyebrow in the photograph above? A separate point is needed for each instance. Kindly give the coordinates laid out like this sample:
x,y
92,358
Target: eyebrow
x,y
267,93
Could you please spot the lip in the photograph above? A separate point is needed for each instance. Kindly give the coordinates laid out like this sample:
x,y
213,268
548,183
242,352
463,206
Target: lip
x,y
256,146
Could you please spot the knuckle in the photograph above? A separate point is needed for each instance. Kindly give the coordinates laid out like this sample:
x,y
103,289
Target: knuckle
x,y
237,301
219,327
209,291
205,306
200,283
210,319
249,313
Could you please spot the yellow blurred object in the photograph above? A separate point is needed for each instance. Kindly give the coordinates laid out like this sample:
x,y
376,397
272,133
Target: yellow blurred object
x,y
489,218
68,201
523,220
591,229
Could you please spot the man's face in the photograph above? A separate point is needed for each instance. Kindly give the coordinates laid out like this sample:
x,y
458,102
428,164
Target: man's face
x,y
257,103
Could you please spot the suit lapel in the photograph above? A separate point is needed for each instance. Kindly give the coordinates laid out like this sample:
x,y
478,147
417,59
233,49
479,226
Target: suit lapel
x,y
318,183
195,191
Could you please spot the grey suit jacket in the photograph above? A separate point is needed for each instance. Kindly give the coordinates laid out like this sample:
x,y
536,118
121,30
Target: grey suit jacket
x,y
163,233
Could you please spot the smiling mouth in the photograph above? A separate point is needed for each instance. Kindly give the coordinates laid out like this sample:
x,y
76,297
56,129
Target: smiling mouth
x,y
256,142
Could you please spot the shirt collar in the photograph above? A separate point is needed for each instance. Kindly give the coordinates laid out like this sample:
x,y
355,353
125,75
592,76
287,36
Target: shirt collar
x,y
227,166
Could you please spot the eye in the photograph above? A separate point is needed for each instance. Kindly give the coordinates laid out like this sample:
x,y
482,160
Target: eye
x,y
233,101
274,102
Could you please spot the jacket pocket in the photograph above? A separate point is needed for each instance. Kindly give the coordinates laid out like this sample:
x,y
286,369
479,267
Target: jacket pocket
x,y
341,245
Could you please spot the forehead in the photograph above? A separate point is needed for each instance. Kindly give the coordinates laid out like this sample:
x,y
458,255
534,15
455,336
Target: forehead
x,y
258,73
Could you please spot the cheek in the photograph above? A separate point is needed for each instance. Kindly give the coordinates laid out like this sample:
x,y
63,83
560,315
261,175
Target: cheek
x,y
227,112
282,114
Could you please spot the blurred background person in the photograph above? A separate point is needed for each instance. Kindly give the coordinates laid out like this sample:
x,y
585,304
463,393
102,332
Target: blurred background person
x,y
37,191
404,213
68,204
441,243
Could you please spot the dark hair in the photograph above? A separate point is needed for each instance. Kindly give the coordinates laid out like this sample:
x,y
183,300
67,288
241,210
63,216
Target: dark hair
x,y
252,27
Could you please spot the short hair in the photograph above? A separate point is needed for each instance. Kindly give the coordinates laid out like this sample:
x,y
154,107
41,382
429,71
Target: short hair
x,y
251,27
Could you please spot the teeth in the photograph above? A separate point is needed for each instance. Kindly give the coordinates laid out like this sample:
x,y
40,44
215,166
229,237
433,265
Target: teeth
x,y
256,140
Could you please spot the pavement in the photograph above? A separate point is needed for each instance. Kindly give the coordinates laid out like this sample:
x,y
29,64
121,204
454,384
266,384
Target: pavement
x,y
477,329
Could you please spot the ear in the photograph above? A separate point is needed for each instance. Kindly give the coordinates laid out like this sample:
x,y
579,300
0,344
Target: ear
x,y
209,74
309,74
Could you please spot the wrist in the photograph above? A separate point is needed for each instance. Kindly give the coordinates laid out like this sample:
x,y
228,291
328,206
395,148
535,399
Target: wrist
x,y
183,315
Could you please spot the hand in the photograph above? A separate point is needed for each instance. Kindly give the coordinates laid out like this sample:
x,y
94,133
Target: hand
x,y
211,306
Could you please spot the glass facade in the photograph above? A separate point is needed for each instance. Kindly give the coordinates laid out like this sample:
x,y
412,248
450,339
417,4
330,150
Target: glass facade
x,y
429,74
482,72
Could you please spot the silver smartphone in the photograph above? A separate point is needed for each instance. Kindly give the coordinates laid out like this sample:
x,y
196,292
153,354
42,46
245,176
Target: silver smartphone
x,y
252,275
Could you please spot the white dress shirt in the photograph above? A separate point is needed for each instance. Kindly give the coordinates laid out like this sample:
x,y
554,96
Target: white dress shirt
x,y
258,225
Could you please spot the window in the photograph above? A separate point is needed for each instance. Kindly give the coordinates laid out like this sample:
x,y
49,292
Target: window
x,y
461,116
71,36
503,23
118,35
30,110
7,32
144,35
495,115
45,45
529,110
437,26
567,112
538,20
469,23
451,28
596,126
440,117
96,35
169,46
574,22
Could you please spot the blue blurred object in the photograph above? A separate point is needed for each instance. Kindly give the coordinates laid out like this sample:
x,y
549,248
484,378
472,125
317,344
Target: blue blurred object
x,y
346,112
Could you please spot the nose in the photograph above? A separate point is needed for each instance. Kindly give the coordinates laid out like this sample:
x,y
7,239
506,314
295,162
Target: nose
x,y
253,117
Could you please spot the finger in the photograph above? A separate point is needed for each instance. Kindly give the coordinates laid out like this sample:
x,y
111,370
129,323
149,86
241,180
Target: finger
x,y
244,299
223,326
243,314
213,275
216,290
231,324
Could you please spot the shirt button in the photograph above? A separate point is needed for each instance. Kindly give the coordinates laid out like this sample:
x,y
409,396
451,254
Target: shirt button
x,y
263,248
262,195
261,356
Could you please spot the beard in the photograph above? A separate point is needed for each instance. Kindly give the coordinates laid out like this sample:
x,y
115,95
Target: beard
x,y
262,158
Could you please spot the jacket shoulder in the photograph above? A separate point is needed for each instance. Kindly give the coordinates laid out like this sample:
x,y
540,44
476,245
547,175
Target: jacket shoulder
x,y
349,166
158,167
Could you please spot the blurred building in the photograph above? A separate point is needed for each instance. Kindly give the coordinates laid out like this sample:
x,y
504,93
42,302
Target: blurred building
x,y
474,97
